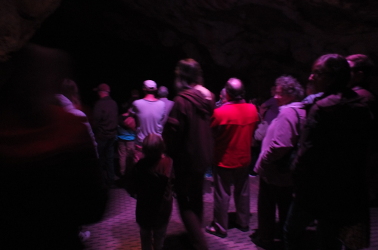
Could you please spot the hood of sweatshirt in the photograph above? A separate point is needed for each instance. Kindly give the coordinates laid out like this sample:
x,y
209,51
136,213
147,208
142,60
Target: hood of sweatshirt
x,y
198,99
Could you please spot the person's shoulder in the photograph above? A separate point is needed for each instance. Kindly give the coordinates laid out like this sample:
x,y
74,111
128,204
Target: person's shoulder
x,y
204,91
78,113
328,101
180,97
161,102
251,109
249,106
222,109
270,102
71,124
112,100
137,102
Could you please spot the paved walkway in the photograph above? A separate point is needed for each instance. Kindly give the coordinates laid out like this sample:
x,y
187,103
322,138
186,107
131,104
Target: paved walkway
x,y
119,231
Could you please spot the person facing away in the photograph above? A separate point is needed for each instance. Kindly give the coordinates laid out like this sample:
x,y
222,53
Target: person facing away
x,y
126,140
269,109
104,124
330,167
153,176
276,186
361,70
149,113
50,181
311,94
68,97
233,125
187,134
222,98
162,94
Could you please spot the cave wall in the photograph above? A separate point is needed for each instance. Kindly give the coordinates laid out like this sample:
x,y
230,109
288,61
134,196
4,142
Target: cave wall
x,y
255,40
19,19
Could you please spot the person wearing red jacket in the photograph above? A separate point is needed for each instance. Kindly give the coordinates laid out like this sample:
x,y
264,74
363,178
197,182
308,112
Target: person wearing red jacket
x,y
233,126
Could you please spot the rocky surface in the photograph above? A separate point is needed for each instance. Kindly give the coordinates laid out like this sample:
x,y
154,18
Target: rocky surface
x,y
256,40
19,19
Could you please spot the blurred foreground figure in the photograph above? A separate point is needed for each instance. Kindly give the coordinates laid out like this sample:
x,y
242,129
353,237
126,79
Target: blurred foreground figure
x,y
330,176
69,99
189,142
50,182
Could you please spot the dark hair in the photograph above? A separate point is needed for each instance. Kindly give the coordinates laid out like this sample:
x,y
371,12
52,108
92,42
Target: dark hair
x,y
150,91
362,63
338,69
153,146
235,91
290,86
162,91
188,71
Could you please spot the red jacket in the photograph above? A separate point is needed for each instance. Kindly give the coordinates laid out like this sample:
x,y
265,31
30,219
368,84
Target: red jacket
x,y
233,125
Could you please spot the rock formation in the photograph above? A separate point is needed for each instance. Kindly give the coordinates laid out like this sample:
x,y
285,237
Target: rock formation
x,y
257,40
19,19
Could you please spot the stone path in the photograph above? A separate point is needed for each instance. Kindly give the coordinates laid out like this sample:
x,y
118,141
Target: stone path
x,y
119,231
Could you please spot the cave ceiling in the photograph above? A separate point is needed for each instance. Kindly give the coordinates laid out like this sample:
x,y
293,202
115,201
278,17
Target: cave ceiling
x,y
256,40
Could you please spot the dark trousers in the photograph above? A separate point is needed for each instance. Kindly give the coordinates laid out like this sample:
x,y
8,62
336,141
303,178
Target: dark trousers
x,y
297,221
153,239
224,178
269,197
189,188
105,149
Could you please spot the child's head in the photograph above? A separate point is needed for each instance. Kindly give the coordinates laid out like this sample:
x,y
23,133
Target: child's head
x,y
153,146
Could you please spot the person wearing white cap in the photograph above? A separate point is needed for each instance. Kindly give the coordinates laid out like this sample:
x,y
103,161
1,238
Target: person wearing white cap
x,y
149,113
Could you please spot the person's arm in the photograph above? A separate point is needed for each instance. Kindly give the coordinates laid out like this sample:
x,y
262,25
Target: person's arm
x,y
174,126
127,121
284,136
216,124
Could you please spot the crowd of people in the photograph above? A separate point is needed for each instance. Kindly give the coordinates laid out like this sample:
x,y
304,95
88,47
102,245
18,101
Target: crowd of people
x,y
316,157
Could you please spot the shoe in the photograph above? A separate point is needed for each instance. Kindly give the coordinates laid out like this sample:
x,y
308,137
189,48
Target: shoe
x,y
258,242
84,235
237,226
243,229
255,234
212,230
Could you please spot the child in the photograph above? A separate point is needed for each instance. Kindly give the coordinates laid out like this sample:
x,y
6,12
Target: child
x,y
153,177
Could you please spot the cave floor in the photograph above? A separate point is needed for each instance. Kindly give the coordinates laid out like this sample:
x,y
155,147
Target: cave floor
x,y
119,231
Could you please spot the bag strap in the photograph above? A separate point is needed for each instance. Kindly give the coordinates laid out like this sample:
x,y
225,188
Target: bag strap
x,y
299,120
